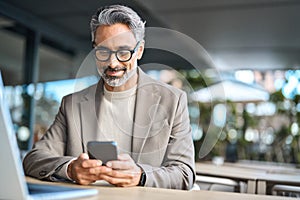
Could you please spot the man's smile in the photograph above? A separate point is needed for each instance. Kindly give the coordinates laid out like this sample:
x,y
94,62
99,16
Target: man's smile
x,y
115,72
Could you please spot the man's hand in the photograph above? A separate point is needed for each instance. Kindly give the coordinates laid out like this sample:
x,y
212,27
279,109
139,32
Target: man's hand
x,y
85,171
124,172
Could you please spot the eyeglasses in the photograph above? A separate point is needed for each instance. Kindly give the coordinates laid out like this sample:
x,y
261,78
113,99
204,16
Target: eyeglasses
x,y
123,55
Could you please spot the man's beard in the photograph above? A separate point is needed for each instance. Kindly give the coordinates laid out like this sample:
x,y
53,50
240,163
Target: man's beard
x,y
115,81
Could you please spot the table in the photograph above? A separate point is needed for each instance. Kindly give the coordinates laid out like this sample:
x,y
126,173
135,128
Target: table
x,y
275,178
257,178
271,173
138,193
271,167
236,173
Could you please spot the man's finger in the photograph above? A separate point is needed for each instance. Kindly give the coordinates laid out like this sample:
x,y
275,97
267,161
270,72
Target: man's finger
x,y
115,180
118,164
91,163
84,156
124,157
120,174
99,170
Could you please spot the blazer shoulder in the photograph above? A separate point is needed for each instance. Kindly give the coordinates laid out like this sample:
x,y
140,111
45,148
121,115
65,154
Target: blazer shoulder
x,y
167,90
82,94
161,87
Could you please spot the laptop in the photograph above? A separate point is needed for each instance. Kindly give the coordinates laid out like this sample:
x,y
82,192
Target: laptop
x,y
13,185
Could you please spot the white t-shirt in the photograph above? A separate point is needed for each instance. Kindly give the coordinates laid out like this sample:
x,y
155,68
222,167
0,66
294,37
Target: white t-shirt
x,y
116,118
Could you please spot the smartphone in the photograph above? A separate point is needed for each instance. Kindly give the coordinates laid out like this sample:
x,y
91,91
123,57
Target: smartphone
x,y
104,151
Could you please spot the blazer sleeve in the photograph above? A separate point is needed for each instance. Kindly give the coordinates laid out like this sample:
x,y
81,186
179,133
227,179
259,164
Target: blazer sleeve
x,y
177,170
48,154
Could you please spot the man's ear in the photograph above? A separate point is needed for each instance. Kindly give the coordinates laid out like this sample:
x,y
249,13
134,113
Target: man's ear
x,y
140,50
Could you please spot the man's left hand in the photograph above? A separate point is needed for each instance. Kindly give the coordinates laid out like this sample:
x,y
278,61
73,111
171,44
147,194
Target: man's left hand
x,y
125,172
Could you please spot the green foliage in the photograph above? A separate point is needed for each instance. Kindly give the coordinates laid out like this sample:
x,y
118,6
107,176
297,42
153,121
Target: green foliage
x,y
278,150
277,97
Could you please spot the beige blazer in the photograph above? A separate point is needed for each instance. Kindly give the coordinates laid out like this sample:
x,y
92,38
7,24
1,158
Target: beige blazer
x,y
161,144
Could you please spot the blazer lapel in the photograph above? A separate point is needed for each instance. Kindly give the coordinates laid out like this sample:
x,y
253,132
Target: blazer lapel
x,y
89,114
147,102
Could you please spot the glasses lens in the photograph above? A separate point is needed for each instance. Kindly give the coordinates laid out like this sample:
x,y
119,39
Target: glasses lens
x,y
123,55
102,55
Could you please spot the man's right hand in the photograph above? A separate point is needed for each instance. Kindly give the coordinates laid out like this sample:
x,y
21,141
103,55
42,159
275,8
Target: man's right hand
x,y
85,171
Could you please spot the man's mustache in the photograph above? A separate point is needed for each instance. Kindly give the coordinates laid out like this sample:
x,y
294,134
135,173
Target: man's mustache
x,y
115,69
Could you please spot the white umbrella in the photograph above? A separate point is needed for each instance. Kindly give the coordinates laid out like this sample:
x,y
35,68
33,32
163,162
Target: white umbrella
x,y
234,91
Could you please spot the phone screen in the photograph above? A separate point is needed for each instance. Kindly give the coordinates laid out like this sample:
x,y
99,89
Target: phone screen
x,y
104,151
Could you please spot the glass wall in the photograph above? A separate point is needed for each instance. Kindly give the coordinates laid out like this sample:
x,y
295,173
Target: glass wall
x,y
48,96
257,112
262,120
259,122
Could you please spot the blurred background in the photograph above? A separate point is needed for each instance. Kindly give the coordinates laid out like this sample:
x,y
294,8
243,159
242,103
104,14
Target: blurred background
x,y
252,92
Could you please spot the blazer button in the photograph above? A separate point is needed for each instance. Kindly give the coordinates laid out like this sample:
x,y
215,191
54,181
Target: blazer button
x,y
42,173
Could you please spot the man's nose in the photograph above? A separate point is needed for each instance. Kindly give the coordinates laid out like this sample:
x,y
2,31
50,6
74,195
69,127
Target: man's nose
x,y
113,61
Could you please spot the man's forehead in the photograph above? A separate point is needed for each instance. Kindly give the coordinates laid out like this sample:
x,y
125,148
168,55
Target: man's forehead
x,y
115,47
117,33
116,44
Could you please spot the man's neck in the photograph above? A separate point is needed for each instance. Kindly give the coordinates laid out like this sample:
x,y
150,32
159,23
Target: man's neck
x,y
129,84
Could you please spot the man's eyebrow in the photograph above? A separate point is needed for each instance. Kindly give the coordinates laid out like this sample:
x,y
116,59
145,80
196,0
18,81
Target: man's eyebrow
x,y
102,47
119,47
124,47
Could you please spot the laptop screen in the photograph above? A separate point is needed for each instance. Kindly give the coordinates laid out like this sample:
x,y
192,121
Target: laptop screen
x,y
12,182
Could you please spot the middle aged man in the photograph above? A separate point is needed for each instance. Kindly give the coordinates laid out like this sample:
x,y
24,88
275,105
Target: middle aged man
x,y
148,119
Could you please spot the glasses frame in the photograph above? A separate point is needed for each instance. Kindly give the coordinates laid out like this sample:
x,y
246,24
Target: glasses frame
x,y
116,53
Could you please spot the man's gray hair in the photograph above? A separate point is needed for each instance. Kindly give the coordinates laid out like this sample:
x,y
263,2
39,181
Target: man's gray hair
x,y
118,14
